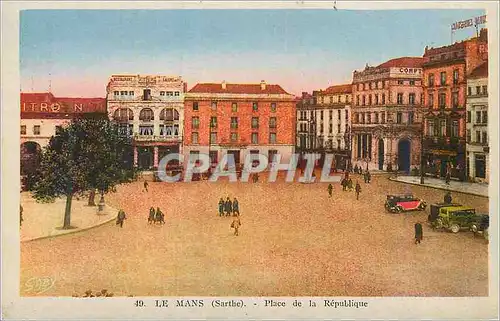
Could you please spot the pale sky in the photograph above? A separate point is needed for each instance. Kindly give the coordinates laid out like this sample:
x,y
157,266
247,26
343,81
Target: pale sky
x,y
301,50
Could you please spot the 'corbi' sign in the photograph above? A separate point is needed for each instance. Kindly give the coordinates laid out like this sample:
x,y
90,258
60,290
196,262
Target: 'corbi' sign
x,y
200,163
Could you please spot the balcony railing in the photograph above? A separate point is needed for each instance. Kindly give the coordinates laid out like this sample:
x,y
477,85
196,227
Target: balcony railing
x,y
441,142
151,138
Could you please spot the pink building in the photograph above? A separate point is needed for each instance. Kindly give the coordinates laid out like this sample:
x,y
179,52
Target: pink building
x,y
387,114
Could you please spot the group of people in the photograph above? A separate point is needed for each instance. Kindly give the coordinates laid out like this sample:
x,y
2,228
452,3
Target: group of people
x,y
228,207
156,216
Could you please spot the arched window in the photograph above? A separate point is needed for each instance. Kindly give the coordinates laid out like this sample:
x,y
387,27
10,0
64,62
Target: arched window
x,y
146,114
123,115
169,114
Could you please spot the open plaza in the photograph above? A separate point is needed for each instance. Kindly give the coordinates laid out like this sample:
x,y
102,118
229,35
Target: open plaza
x,y
294,241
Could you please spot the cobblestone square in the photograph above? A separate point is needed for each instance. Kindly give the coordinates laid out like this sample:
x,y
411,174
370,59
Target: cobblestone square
x,y
294,241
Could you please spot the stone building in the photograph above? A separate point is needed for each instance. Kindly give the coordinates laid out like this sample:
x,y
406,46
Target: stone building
x,y
151,109
238,119
323,123
42,114
387,114
305,130
478,165
445,87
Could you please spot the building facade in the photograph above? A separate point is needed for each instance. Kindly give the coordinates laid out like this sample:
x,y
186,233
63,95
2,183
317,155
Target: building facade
x,y
387,115
239,119
151,110
42,114
306,128
323,123
478,165
445,87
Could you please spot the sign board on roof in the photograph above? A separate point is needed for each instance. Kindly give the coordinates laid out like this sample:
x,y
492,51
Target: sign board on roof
x,y
473,22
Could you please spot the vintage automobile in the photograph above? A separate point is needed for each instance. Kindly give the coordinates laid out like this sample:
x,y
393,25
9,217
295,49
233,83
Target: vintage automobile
x,y
481,225
435,210
403,203
455,218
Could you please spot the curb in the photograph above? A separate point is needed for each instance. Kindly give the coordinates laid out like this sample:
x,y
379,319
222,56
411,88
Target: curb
x,y
74,231
438,187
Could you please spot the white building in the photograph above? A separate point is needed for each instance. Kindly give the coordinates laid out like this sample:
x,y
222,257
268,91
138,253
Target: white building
x,y
151,109
477,147
323,122
42,114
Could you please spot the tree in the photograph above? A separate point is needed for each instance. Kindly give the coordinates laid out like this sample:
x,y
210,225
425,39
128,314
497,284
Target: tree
x,y
110,160
87,154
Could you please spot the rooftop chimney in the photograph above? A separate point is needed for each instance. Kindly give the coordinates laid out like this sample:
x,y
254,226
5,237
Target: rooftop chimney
x,y
262,85
224,85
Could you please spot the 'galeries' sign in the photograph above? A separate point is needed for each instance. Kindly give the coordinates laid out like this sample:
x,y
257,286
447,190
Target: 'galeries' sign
x,y
469,23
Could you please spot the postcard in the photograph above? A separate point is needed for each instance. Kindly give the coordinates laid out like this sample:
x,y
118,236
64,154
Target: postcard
x,y
249,160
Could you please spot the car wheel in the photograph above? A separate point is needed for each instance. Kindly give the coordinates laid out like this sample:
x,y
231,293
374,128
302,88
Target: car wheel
x,y
455,228
438,223
423,206
474,229
486,234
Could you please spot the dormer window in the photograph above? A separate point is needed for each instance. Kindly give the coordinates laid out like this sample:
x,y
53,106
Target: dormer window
x,y
147,94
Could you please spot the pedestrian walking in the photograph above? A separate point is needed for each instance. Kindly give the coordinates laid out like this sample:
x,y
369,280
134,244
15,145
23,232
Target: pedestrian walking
x,y
448,177
358,190
151,217
344,184
120,218
419,233
236,207
146,185
228,206
21,215
365,177
236,224
330,189
368,177
447,198
221,207
160,217
349,185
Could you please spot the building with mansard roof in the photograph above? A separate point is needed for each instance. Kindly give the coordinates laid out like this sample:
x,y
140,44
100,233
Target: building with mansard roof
x,y
239,119
387,115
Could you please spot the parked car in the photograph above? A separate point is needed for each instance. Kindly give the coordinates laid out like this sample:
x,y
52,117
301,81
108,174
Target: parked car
x,y
455,218
481,225
403,203
435,210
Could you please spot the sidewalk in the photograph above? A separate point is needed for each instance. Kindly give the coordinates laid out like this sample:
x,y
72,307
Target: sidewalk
x,y
43,220
461,187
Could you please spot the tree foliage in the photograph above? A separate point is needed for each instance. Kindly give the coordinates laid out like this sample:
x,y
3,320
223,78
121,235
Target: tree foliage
x,y
88,154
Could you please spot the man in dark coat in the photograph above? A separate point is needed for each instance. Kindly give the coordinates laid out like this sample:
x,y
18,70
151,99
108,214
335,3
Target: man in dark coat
x,y
236,207
221,207
358,190
120,218
447,198
419,233
228,207
330,190
368,176
151,217
160,217
146,185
